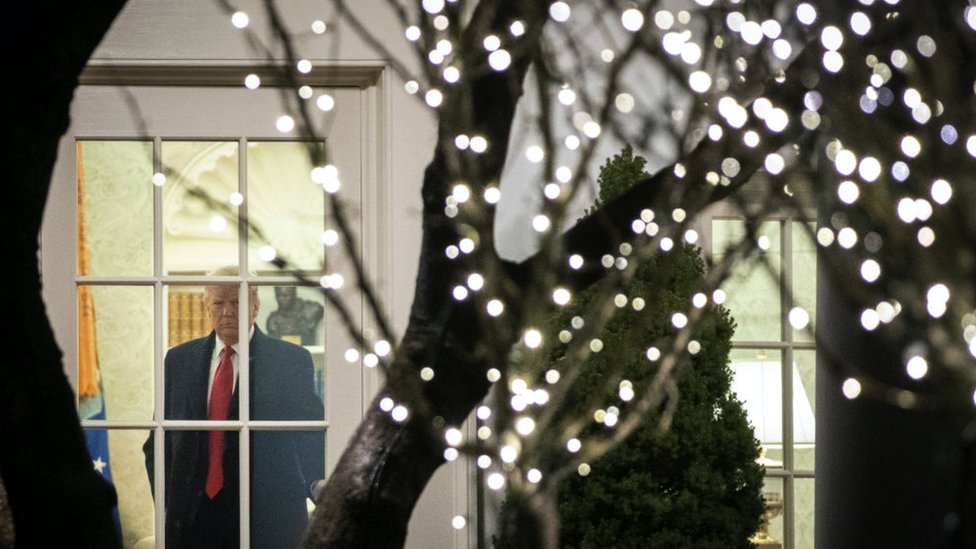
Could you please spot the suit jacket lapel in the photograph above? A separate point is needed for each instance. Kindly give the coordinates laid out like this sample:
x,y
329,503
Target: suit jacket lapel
x,y
201,378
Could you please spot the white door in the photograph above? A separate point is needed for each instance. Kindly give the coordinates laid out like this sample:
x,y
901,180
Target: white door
x,y
154,188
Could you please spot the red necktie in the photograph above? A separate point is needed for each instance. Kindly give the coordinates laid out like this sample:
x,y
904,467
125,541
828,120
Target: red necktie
x,y
223,385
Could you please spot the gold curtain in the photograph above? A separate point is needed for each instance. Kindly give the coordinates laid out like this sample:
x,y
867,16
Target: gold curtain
x,y
87,341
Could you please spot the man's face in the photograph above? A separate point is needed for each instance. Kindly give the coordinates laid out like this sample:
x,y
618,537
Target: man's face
x,y
223,306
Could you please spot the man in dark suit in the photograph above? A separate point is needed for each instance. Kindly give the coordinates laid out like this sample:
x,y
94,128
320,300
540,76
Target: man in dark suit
x,y
202,475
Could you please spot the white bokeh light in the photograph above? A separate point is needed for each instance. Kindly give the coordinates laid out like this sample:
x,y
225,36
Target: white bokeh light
x,y
632,19
560,11
499,60
240,19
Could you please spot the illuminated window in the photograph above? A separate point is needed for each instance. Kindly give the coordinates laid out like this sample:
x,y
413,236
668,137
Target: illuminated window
x,y
154,217
772,299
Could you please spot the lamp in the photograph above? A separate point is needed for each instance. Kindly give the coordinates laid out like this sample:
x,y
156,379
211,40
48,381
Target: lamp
x,y
759,385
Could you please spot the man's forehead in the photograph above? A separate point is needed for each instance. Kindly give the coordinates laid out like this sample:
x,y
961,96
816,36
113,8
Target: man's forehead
x,y
222,291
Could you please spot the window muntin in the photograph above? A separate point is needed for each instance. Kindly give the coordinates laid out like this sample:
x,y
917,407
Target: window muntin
x,y
761,292
133,304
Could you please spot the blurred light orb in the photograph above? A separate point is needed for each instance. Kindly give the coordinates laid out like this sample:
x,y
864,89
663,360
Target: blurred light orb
x,y
910,146
624,102
560,11
917,367
833,61
499,60
870,319
632,19
451,74
869,168
491,42
664,19
240,19
806,14
434,98
941,191
496,481
433,7
325,102
700,81
566,96
860,23
799,318
752,33
851,388
540,223
832,38
679,320
517,28
782,49
845,162
870,270
492,195
495,307
285,124
848,192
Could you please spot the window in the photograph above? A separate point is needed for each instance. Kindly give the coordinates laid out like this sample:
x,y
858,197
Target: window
x,y
771,358
145,246
149,244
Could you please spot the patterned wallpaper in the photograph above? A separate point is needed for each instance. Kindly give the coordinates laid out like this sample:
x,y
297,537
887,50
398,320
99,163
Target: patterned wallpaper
x,y
118,217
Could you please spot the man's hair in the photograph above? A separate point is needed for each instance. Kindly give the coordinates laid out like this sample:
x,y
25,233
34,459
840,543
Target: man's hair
x,y
230,270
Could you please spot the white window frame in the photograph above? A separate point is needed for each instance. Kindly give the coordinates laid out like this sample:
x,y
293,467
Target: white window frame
x,y
374,84
786,346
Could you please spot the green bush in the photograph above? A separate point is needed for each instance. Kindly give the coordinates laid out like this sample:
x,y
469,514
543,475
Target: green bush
x,y
696,484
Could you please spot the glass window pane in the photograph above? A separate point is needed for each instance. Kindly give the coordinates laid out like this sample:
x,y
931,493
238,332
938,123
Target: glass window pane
x,y
804,513
201,323
194,517
284,467
118,456
286,209
752,287
804,408
771,528
804,275
292,313
115,177
295,314
199,213
115,352
186,316
288,375
757,381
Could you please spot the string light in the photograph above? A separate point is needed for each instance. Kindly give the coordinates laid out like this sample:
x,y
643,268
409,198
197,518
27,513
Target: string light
x,y
240,19
863,178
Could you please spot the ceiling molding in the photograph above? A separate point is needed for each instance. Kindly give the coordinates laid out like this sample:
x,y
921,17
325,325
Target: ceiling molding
x,y
356,76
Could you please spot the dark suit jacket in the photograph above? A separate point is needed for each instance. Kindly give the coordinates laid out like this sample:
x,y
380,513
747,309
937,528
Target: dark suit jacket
x,y
284,464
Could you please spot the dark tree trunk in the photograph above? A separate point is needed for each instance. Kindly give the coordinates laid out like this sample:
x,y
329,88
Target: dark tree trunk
x,y
56,497
886,476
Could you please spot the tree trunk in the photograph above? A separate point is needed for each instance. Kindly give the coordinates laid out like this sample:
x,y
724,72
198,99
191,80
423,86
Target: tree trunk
x,y
56,497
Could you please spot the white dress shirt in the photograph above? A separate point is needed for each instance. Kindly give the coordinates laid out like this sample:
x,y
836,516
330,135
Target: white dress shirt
x,y
215,361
